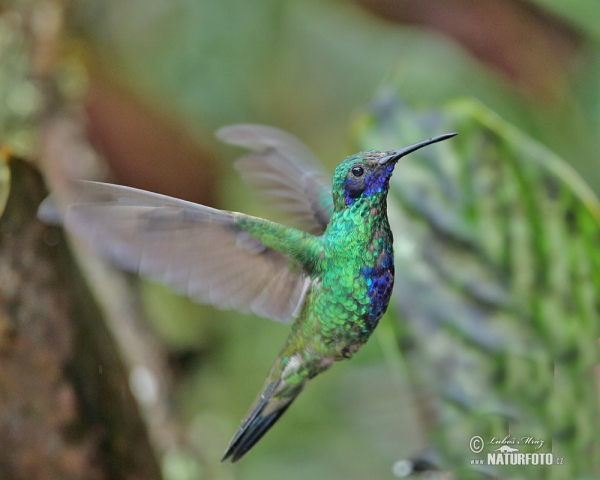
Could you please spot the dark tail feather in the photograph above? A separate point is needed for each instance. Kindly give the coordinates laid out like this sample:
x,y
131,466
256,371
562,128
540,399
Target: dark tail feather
x,y
255,425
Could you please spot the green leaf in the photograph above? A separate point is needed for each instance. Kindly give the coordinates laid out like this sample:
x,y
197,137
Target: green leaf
x,y
497,281
583,14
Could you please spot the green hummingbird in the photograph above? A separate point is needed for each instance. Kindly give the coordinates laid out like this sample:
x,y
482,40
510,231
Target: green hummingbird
x,y
333,277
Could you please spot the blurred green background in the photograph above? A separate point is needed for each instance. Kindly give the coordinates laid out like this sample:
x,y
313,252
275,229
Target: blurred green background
x,y
495,318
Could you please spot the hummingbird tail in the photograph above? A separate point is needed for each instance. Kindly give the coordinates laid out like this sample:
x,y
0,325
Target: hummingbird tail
x,y
265,413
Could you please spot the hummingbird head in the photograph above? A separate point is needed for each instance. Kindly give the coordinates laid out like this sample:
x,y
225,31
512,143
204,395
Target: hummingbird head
x,y
367,174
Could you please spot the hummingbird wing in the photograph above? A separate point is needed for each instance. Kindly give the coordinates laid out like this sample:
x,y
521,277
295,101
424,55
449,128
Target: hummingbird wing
x,y
284,170
197,250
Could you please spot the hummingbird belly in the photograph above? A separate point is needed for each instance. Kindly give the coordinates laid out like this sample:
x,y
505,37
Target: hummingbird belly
x,y
345,308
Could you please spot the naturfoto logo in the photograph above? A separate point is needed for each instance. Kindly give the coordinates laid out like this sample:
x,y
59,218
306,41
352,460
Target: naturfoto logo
x,y
507,452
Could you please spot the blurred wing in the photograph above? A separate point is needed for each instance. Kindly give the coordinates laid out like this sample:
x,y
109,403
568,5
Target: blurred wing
x,y
198,251
286,171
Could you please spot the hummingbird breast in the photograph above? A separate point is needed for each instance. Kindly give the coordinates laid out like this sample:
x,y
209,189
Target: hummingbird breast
x,y
379,279
354,289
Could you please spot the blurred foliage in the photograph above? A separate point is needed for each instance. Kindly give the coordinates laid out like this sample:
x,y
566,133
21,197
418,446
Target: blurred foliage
x,y
497,280
290,63
20,100
304,66
497,272
581,13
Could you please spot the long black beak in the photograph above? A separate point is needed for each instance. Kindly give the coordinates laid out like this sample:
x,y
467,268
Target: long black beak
x,y
397,154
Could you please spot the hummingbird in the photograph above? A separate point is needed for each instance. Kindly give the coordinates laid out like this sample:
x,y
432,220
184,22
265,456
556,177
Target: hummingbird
x,y
332,277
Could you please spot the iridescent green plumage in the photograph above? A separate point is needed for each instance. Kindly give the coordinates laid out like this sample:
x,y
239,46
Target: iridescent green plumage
x,y
333,277
351,269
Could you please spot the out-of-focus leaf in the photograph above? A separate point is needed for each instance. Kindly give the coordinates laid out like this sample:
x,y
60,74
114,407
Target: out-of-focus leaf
x,y
497,281
584,14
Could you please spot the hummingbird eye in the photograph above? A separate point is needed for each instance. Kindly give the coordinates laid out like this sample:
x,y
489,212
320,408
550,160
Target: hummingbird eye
x,y
357,171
